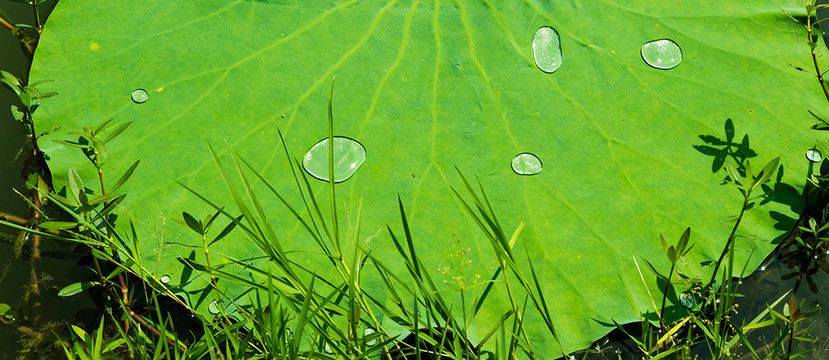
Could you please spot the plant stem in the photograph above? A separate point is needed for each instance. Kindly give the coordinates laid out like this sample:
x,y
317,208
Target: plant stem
x,y
6,24
34,291
155,331
38,25
791,336
814,57
730,240
23,222
665,296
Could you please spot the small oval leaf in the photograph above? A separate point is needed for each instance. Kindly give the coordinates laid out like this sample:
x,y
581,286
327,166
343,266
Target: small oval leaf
x,y
75,288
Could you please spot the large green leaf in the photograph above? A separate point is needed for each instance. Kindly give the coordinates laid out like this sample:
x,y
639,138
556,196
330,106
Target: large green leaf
x,y
628,151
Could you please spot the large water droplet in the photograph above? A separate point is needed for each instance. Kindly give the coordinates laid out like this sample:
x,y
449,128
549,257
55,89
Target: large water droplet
x,y
662,54
349,155
214,307
165,279
814,155
547,49
140,96
526,164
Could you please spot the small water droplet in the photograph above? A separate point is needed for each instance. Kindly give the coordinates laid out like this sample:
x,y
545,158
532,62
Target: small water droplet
x,y
368,332
214,307
688,300
349,155
328,349
547,49
814,155
526,164
762,268
748,253
165,279
662,54
140,96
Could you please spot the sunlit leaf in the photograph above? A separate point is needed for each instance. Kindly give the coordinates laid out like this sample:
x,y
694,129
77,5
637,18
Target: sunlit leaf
x,y
75,288
625,151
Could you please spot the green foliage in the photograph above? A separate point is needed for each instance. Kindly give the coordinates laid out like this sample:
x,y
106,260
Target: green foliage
x,y
440,86
90,347
6,313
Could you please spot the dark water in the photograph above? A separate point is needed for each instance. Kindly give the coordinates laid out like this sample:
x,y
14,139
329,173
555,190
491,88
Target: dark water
x,y
59,263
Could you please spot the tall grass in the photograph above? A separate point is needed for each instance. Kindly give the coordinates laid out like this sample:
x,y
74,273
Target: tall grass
x,y
302,314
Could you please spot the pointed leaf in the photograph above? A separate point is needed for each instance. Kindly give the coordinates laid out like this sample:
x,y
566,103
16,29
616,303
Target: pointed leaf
x,y
683,241
767,172
125,177
76,187
192,223
75,288
59,225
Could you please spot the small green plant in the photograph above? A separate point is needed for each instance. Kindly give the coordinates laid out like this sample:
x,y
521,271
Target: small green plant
x,y
29,97
27,35
90,347
787,332
818,239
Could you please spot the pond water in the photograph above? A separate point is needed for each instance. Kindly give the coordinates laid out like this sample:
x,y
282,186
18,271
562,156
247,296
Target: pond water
x,y
60,264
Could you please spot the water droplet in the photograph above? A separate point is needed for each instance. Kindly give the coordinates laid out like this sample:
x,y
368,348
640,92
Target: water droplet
x,y
214,308
814,155
349,155
762,268
328,349
662,54
688,300
140,96
165,279
368,332
526,164
547,49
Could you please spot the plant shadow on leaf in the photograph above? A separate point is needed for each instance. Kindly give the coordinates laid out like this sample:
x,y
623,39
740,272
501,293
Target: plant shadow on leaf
x,y
722,149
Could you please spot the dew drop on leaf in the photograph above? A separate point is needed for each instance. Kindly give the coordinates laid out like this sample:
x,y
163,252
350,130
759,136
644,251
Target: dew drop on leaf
x,y
662,54
165,279
368,332
814,155
547,49
213,307
349,155
526,164
688,300
140,96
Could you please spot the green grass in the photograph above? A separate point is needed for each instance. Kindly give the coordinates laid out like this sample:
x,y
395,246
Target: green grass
x,y
310,316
